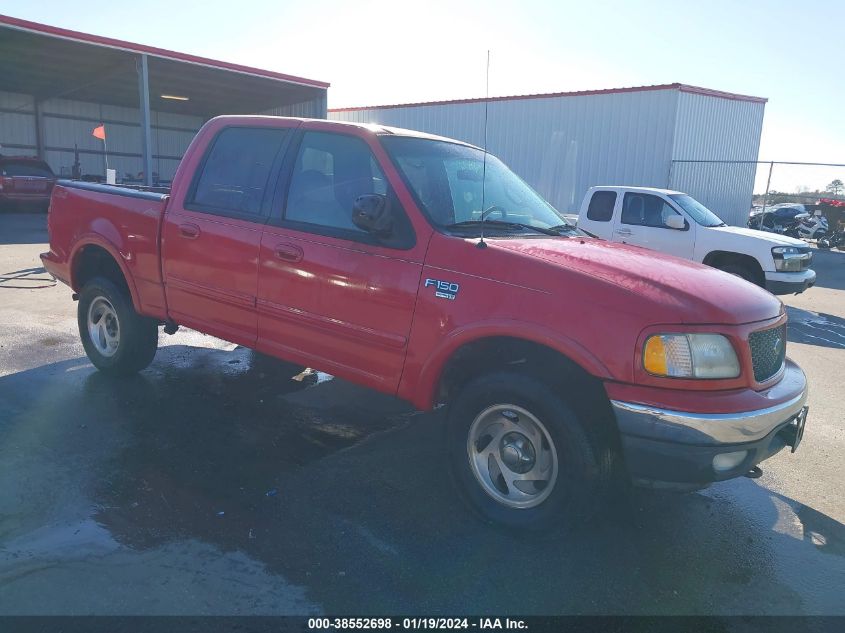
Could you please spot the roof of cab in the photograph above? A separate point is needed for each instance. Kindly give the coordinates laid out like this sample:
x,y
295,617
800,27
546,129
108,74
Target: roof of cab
x,y
375,128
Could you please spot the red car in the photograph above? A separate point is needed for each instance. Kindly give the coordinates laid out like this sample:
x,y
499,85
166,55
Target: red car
x,y
25,182
422,267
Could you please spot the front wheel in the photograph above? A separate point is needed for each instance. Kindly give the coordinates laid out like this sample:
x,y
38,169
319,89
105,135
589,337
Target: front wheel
x,y
520,455
116,339
743,272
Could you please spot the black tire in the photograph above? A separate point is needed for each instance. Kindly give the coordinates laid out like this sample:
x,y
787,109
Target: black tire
x,y
137,335
581,478
741,271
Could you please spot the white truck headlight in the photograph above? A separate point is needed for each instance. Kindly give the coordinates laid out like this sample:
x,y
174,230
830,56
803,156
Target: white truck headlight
x,y
789,259
690,356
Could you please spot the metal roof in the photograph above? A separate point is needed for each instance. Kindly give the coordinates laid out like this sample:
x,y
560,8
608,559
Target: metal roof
x,y
50,62
579,93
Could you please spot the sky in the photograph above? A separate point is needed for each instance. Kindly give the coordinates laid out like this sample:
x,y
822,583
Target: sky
x,y
380,52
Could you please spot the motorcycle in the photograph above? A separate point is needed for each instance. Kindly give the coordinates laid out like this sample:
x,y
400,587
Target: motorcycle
x,y
792,227
835,240
813,227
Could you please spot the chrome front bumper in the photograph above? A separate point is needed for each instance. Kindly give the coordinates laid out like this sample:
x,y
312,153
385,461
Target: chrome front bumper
x,y
677,447
704,428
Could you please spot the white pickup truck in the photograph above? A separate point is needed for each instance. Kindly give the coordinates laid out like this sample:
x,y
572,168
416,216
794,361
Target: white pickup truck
x,y
675,223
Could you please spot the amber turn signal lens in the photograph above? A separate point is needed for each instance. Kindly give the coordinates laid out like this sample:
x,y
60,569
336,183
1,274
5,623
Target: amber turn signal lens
x,y
654,356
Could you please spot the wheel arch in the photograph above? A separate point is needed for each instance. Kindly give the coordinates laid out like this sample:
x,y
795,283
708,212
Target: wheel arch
x,y
94,256
719,258
426,391
581,387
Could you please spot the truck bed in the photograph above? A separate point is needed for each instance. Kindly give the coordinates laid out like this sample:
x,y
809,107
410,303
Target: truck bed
x,y
124,222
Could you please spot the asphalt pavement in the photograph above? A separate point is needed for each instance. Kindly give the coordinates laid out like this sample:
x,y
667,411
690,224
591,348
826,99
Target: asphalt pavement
x,y
210,484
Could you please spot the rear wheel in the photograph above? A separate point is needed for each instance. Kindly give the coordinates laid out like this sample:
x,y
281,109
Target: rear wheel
x,y
116,339
520,455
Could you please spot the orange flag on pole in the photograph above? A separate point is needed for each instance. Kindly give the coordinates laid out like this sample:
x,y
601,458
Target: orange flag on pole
x,y
99,132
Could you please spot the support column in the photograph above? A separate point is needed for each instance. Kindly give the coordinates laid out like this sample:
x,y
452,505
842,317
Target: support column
x,y
39,128
146,132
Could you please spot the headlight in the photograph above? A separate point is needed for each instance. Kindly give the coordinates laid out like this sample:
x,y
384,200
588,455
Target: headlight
x,y
690,356
791,258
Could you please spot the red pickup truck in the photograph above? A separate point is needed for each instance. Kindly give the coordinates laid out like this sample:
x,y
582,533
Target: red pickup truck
x,y
25,182
422,267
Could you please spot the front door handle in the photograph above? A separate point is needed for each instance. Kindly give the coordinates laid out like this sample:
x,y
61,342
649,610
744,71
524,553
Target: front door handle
x,y
623,232
189,231
288,252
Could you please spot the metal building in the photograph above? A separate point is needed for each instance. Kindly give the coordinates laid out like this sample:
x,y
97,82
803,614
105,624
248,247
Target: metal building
x,y
57,85
564,143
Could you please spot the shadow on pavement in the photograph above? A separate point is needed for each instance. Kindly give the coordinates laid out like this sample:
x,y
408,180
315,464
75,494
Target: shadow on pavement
x,y
345,493
23,228
27,279
815,328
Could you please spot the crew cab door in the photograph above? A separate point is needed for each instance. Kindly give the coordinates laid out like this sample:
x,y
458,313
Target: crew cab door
x,y
643,221
212,232
331,295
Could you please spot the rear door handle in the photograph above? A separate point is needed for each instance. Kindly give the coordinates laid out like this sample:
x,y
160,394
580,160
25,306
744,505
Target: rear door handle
x,y
623,232
189,231
288,252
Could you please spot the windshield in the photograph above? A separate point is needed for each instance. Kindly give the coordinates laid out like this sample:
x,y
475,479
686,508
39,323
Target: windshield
x,y
447,178
697,211
25,169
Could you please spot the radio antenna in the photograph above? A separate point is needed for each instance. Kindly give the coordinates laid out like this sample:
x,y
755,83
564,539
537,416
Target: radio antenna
x,y
482,243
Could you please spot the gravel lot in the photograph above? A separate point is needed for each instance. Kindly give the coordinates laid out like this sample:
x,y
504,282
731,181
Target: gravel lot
x,y
208,486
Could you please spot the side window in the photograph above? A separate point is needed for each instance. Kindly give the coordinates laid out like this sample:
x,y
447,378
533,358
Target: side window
x,y
236,170
642,209
601,206
331,170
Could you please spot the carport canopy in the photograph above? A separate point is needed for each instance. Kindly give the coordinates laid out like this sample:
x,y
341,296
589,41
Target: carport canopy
x,y
49,62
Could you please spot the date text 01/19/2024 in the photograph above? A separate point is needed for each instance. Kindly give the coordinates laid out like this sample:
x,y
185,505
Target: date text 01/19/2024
x,y
435,624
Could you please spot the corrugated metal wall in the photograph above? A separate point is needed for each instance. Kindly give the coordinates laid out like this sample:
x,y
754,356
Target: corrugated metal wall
x,y
17,124
710,128
312,109
564,145
66,123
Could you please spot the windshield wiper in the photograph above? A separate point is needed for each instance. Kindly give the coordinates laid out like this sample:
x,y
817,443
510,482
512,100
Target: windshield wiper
x,y
566,226
572,228
502,224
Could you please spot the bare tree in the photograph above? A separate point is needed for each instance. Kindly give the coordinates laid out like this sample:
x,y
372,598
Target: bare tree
x,y
835,187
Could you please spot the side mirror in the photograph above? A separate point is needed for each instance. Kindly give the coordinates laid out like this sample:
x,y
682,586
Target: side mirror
x,y
371,213
676,222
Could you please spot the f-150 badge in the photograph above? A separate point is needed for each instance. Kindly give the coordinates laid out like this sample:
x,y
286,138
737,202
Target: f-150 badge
x,y
443,289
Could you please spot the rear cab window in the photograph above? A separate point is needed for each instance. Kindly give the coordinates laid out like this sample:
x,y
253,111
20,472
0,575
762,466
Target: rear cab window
x,y
601,206
33,168
235,172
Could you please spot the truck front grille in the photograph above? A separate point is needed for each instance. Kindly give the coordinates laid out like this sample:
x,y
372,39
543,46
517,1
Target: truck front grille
x,y
768,351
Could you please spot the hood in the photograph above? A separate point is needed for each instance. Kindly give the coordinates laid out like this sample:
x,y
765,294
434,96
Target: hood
x,y
775,239
685,292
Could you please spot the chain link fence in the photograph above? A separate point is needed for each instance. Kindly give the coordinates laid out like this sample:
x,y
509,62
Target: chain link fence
x,y
732,188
